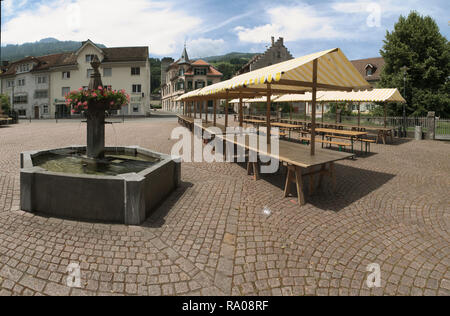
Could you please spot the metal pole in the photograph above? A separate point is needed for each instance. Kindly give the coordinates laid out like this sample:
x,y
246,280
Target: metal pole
x,y
215,112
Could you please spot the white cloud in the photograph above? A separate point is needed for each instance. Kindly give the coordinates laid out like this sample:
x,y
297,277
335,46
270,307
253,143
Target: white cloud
x,y
153,23
293,23
9,6
205,47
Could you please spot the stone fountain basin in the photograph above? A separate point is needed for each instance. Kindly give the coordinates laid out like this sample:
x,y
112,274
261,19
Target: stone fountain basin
x,y
125,199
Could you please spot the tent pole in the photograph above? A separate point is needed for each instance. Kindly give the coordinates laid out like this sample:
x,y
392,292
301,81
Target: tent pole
x,y
206,111
322,111
385,115
269,97
359,114
226,110
194,104
241,114
290,111
201,109
313,114
215,112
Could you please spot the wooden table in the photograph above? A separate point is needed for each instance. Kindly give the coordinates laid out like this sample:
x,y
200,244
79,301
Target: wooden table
x,y
299,161
287,126
354,135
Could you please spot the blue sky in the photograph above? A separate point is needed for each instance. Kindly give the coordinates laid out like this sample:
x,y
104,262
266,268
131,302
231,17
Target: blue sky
x,y
212,27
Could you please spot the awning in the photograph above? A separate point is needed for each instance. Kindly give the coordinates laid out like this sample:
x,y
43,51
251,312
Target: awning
x,y
335,72
375,95
254,100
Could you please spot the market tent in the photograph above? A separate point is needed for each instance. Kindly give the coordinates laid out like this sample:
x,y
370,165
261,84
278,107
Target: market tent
x,y
326,70
375,95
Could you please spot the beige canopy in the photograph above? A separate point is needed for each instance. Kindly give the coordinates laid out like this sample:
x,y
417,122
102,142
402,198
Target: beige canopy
x,y
375,95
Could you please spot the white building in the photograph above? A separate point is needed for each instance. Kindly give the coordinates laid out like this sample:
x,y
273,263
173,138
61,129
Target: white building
x,y
39,84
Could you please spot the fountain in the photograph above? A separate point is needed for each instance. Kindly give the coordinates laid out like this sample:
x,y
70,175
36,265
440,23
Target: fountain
x,y
97,183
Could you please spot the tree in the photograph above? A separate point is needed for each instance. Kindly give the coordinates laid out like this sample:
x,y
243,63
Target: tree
x,y
155,68
417,44
5,105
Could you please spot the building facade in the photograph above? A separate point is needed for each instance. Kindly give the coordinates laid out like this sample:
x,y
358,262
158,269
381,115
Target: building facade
x,y
184,75
275,54
37,85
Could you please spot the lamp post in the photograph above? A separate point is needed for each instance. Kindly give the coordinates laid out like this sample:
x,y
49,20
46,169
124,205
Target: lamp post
x,y
405,72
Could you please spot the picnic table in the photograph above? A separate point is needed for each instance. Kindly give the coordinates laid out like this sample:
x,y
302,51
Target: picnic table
x,y
352,135
299,162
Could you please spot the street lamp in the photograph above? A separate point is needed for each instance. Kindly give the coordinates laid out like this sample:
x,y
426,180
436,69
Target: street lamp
x,y
405,72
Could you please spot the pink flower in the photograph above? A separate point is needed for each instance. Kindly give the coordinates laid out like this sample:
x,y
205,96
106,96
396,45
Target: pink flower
x,y
85,103
112,103
80,89
100,88
79,103
94,94
73,111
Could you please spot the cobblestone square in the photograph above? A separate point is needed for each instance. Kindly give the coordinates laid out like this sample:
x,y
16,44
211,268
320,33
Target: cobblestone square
x,y
212,236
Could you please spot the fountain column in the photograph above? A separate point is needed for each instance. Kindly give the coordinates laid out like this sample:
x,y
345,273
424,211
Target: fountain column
x,y
95,117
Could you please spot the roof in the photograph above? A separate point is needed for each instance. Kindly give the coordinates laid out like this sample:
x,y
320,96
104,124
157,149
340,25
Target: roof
x,y
361,65
334,72
375,95
184,57
200,62
118,54
43,62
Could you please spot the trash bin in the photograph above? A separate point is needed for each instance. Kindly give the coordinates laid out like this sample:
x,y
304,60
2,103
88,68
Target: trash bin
x,y
418,133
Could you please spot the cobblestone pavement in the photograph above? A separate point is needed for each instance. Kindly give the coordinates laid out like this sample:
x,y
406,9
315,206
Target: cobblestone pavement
x,y
211,236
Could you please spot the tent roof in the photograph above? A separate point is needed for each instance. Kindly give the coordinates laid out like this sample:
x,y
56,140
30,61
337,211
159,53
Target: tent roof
x,y
335,72
254,100
375,95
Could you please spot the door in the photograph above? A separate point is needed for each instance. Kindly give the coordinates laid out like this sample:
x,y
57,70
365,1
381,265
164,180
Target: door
x,y
36,112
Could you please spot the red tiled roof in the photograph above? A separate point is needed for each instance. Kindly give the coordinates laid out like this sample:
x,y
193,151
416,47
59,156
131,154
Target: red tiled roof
x,y
200,62
117,54
214,72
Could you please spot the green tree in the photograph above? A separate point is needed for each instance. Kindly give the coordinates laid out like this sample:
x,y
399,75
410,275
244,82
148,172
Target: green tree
x,y
417,44
155,68
5,105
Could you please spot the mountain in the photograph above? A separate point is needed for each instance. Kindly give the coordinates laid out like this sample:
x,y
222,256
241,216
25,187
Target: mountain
x,y
43,47
233,58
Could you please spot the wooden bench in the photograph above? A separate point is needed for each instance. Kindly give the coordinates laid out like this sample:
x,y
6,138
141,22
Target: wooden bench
x,y
327,142
367,142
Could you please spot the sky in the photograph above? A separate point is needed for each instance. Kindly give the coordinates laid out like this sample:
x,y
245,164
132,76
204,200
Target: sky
x,y
216,27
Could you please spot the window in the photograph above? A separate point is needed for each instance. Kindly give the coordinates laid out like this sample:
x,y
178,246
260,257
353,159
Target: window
x,y
66,75
45,108
135,107
21,82
200,71
107,72
189,85
22,112
180,85
10,83
41,79
137,88
41,94
135,71
369,71
20,99
181,73
89,72
23,68
90,58
65,91
199,84
279,54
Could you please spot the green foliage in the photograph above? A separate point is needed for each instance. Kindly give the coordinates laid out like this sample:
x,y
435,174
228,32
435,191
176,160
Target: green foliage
x,y
155,69
86,99
5,105
417,44
344,107
229,64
